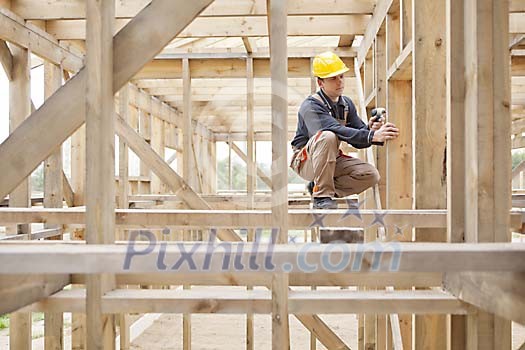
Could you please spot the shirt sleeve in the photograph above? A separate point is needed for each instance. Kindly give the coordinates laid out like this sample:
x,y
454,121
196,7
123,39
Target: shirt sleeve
x,y
353,120
316,118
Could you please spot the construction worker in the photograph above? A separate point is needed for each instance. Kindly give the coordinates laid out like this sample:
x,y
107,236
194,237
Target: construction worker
x,y
325,119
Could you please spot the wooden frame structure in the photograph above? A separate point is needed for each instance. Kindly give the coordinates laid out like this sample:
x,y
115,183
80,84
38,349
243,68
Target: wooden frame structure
x,y
437,270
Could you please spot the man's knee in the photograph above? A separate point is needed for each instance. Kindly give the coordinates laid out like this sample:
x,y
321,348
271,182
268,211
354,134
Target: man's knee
x,y
375,178
328,137
371,175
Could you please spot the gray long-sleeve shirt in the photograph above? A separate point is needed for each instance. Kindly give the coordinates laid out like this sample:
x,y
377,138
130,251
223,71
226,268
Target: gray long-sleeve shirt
x,y
315,115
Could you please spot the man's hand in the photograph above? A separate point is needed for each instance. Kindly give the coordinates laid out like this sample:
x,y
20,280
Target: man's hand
x,y
375,123
386,132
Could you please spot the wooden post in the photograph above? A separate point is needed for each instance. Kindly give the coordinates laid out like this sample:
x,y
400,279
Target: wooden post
x,y
313,90
381,89
53,194
429,113
456,330
280,330
145,132
488,149
187,132
19,109
381,86
78,182
399,171
187,172
123,199
100,146
277,21
123,151
251,177
158,144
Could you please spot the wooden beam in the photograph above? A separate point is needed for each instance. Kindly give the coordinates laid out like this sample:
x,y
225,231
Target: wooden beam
x,y
279,307
379,280
380,13
429,113
247,44
123,151
18,291
53,198
401,69
225,68
245,159
100,164
479,289
64,112
298,218
233,26
389,257
73,9
455,104
259,301
346,40
189,171
197,53
165,173
19,109
251,163
487,151
6,59
277,27
14,30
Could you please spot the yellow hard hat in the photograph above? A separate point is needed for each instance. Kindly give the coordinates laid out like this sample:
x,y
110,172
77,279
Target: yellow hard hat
x,y
327,65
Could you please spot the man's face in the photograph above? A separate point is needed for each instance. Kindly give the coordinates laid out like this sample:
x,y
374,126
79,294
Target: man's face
x,y
333,86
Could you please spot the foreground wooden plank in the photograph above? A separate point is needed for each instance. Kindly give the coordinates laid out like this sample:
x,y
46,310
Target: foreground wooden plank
x,y
64,112
21,290
298,218
16,258
481,289
237,301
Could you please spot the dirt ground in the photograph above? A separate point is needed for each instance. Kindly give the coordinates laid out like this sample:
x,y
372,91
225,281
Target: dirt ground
x,y
227,332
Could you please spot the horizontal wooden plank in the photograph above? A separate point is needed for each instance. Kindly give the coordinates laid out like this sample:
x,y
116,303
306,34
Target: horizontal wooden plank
x,y
40,234
240,52
237,301
74,9
14,30
224,68
233,26
18,291
298,218
143,257
500,293
376,280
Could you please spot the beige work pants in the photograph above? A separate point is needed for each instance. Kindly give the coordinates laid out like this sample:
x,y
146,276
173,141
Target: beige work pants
x,y
334,174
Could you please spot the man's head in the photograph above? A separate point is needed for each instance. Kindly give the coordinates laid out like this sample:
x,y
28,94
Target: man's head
x,y
329,70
